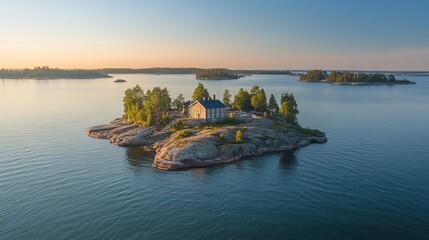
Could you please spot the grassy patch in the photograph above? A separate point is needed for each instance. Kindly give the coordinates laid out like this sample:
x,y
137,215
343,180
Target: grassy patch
x,y
184,134
180,125
228,121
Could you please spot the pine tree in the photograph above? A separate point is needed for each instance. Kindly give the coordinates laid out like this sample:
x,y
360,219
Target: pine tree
x,y
178,102
227,98
242,100
200,93
258,99
289,108
273,107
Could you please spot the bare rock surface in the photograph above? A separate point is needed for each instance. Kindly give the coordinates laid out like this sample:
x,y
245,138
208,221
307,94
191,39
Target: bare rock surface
x,y
195,144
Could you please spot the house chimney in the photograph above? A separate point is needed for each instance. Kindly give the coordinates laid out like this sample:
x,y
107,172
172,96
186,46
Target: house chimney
x,y
214,97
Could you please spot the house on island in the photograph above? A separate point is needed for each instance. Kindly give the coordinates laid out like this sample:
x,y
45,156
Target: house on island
x,y
210,110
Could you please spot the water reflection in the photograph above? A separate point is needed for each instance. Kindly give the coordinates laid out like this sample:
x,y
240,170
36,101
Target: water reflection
x,y
288,159
138,157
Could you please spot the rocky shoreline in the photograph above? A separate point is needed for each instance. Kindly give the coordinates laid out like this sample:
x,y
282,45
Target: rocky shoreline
x,y
186,143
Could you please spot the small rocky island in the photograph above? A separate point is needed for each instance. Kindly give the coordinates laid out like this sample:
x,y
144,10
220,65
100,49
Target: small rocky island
x,y
350,78
120,81
217,74
206,131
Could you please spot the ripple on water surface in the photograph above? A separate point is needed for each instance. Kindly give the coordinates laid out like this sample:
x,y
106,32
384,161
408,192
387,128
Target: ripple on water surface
x,y
369,181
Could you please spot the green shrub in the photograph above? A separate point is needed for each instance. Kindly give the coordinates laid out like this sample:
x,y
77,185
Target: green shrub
x,y
239,136
163,119
180,125
222,136
184,134
228,121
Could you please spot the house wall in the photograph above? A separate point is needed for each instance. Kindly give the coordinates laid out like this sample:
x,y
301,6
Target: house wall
x,y
197,111
215,114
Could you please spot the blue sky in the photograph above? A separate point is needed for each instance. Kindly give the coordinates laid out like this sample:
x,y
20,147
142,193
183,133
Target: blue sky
x,y
292,34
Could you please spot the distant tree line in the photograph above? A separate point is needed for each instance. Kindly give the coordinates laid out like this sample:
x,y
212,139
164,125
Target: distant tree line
x,y
263,72
349,77
216,74
160,70
56,73
50,73
150,70
314,75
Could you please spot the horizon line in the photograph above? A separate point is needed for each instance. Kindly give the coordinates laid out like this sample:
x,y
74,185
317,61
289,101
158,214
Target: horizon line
x,y
242,69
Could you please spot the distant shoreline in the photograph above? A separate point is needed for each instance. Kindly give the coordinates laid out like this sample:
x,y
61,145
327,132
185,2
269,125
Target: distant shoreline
x,y
360,83
47,73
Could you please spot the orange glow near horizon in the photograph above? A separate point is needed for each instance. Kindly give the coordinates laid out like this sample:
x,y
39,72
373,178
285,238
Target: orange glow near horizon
x,y
94,56
141,34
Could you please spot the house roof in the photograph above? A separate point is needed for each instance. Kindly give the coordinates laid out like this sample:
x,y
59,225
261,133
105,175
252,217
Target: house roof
x,y
187,103
208,104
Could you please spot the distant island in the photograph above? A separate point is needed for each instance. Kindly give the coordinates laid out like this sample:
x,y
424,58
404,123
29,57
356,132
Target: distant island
x,y
158,70
51,73
350,78
206,131
167,70
46,72
217,74
120,81
334,77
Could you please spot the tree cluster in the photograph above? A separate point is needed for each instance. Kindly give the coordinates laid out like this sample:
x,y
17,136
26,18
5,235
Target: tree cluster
x,y
216,74
253,100
289,108
178,102
314,75
50,73
349,77
257,100
145,108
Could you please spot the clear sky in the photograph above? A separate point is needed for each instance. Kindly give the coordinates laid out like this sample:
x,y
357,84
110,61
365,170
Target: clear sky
x,y
265,34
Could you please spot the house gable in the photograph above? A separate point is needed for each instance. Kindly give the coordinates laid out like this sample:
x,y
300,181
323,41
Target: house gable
x,y
210,110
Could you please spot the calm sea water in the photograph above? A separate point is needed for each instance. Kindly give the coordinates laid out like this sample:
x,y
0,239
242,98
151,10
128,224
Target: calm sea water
x,y
370,181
